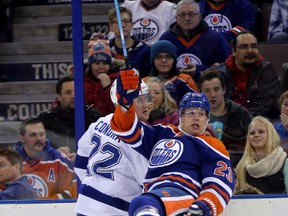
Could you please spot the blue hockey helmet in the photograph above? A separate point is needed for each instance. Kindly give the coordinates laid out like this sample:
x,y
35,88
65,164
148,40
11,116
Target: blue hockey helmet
x,y
194,100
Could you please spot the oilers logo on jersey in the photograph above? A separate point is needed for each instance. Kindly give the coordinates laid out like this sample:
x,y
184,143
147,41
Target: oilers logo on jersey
x,y
165,153
38,185
218,22
187,58
145,29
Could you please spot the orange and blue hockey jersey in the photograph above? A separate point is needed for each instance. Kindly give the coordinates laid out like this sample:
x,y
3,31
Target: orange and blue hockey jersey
x,y
228,17
190,163
50,175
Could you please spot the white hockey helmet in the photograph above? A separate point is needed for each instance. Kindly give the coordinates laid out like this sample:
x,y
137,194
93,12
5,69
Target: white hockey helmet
x,y
113,90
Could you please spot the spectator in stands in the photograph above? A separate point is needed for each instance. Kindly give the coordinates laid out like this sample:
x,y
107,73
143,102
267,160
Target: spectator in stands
x,y
198,46
250,81
228,17
263,164
278,26
165,109
59,122
50,174
282,127
234,117
148,25
163,60
98,76
16,185
138,52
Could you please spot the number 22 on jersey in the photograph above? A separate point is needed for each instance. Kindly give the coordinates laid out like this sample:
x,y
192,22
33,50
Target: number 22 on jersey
x,y
103,157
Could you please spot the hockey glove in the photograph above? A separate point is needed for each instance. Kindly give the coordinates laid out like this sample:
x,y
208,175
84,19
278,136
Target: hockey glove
x,y
199,208
128,85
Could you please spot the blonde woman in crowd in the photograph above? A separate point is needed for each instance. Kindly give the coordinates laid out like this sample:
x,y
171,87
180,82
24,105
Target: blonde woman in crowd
x,y
165,108
263,164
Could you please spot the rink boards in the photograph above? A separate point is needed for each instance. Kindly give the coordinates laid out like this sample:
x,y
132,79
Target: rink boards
x,y
248,205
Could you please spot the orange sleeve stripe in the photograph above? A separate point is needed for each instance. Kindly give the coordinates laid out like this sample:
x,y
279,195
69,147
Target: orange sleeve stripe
x,y
190,82
123,121
135,137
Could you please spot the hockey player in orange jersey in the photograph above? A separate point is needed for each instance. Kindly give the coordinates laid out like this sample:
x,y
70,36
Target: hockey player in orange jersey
x,y
187,172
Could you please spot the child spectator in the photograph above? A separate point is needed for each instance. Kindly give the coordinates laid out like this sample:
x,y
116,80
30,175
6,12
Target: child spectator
x,y
138,51
282,127
98,77
234,117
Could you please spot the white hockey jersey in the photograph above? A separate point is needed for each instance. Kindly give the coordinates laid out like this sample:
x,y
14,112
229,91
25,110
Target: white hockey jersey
x,y
150,23
111,172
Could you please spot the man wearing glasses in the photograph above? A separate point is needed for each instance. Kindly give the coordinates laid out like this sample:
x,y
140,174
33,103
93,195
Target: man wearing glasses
x,y
250,81
138,51
198,46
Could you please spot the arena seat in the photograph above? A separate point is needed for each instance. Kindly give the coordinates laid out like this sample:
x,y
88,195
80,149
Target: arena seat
x,y
276,53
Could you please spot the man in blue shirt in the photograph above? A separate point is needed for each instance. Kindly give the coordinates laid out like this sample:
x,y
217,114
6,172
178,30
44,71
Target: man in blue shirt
x,y
278,26
282,127
14,185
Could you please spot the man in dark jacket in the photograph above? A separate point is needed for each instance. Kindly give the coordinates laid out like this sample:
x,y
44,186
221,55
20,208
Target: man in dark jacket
x,y
234,117
59,122
250,81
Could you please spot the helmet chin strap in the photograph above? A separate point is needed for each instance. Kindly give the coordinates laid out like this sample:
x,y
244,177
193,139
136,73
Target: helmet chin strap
x,y
204,127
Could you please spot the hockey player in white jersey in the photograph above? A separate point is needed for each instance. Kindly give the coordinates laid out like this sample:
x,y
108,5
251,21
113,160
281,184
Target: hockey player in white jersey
x,y
111,173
